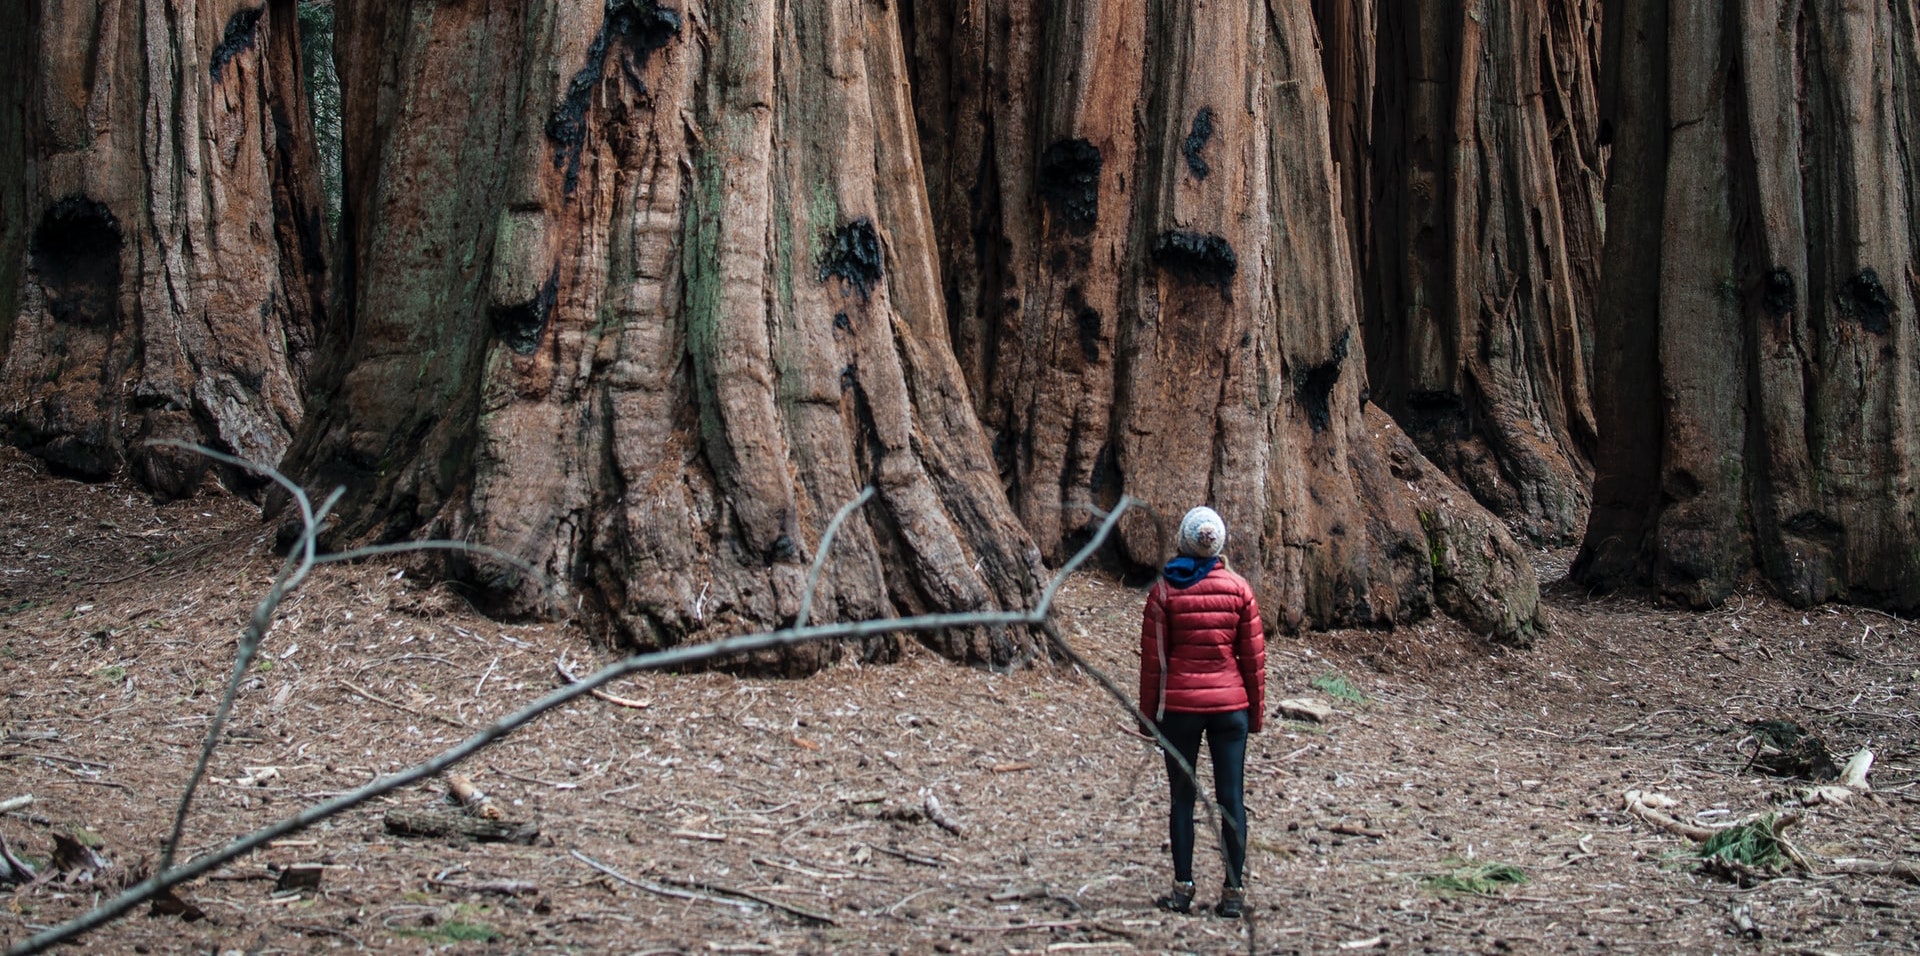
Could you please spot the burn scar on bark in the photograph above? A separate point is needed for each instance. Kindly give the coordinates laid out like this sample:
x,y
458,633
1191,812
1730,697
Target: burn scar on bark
x,y
242,28
1313,387
1777,292
644,27
853,254
76,254
521,324
1197,257
1070,183
1196,141
1863,298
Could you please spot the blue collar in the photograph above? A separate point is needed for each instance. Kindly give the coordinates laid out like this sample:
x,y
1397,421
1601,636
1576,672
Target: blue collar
x,y
1186,570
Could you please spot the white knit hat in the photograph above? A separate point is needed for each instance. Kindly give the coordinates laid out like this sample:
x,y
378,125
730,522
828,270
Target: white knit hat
x,y
1202,533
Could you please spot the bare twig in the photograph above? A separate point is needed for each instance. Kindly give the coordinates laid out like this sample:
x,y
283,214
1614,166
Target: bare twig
x,y
797,910
663,890
14,803
820,553
566,674
396,705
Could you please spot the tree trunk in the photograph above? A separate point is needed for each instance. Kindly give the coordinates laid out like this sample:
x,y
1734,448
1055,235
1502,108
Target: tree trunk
x,y
644,294
1764,174
1474,321
1348,41
1149,283
172,260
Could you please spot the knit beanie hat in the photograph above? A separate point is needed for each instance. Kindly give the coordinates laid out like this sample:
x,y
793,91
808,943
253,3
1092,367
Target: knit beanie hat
x,y
1202,533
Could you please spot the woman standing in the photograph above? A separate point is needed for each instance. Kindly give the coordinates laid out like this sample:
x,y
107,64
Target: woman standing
x,y
1203,660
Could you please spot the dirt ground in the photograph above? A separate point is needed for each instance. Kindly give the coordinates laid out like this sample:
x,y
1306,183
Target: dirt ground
x,y
742,815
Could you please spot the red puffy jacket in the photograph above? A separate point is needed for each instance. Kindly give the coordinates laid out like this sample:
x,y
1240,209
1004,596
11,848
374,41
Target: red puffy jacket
x,y
1202,649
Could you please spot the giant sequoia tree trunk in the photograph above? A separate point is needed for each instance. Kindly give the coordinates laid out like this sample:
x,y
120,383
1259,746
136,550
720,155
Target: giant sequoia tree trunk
x,y
1483,185
644,294
1150,287
166,235
1760,274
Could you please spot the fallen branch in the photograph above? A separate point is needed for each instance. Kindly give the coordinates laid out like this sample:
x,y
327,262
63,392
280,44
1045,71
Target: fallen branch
x,y
938,815
653,887
1903,870
500,887
560,664
12,868
396,705
1637,805
164,878
800,911
11,804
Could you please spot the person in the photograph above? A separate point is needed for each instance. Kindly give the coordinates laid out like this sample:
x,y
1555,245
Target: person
x,y
1203,659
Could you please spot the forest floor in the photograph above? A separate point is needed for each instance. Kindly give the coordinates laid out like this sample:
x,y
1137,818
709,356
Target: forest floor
x,y
725,794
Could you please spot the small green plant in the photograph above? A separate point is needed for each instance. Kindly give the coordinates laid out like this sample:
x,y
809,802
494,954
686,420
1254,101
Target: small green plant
x,y
455,931
1336,684
1756,843
111,674
1479,879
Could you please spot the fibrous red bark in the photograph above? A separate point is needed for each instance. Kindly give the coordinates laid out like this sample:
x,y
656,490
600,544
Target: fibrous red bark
x,y
1483,164
1152,289
643,294
170,242
1762,239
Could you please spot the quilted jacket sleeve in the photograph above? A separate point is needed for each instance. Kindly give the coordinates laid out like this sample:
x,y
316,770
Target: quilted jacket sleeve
x,y
1153,634
1250,650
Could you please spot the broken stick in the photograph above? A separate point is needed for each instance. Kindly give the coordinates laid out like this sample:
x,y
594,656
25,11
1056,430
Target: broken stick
x,y
560,664
939,816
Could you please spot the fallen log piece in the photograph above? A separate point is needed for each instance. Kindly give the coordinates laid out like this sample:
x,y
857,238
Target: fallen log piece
x,y
300,877
1905,871
435,823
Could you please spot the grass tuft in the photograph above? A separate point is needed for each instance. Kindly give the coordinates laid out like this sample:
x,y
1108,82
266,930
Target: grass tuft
x,y
1336,684
1479,879
1756,843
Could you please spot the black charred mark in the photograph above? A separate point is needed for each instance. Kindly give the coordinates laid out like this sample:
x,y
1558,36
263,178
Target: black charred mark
x,y
1197,257
1103,468
1006,442
1313,388
1435,416
1070,183
782,550
1087,319
854,255
1196,141
76,254
520,326
242,28
1777,292
1866,300
642,26
849,377
841,322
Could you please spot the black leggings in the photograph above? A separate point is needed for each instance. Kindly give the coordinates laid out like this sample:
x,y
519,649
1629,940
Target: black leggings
x,y
1227,743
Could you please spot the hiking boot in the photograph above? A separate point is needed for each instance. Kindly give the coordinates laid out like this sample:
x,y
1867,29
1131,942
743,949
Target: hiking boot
x,y
1233,903
1179,899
